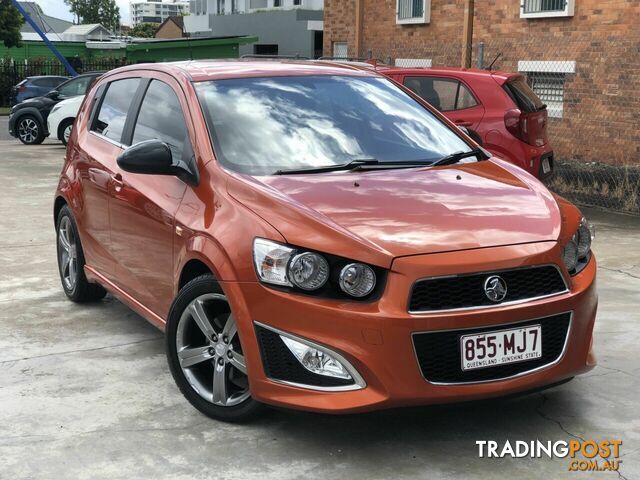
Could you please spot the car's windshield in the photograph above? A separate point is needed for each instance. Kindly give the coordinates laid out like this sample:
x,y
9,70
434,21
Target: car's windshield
x,y
262,125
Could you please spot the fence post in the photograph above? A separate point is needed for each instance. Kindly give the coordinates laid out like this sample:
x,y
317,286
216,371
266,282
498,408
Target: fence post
x,y
481,55
467,34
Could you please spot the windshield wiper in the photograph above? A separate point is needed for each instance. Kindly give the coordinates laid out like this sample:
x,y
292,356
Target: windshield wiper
x,y
457,156
330,168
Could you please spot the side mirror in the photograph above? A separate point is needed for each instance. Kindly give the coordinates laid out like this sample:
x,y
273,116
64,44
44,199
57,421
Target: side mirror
x,y
53,94
153,157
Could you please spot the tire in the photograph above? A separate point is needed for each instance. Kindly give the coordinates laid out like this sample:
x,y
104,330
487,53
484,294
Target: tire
x,y
67,123
205,367
29,130
71,261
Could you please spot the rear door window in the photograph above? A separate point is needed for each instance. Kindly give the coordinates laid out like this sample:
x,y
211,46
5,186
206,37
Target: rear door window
x,y
445,94
161,118
112,114
523,96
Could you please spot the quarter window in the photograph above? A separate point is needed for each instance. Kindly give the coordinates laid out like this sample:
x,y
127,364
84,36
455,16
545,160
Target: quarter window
x,y
443,93
113,111
161,118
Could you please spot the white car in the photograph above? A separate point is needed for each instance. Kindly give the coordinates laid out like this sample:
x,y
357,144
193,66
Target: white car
x,y
61,118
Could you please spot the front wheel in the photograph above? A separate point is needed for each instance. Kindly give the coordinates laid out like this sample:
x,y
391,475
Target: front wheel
x,y
64,130
205,354
30,130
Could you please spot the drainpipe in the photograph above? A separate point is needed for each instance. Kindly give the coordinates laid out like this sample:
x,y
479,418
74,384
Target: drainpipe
x,y
359,14
467,34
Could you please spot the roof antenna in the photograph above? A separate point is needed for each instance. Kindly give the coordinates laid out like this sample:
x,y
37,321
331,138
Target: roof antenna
x,y
494,61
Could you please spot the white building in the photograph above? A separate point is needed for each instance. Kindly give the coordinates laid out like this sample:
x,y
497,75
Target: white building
x,y
283,27
157,11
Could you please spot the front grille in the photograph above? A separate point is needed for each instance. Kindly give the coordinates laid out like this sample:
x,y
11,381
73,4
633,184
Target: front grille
x,y
467,291
439,355
280,364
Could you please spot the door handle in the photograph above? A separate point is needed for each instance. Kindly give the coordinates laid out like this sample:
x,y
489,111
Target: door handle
x,y
463,123
118,183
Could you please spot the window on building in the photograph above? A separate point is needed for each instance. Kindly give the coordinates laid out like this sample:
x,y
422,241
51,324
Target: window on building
x,y
547,80
549,87
113,110
161,118
277,3
443,93
297,2
340,50
234,6
546,8
221,7
413,11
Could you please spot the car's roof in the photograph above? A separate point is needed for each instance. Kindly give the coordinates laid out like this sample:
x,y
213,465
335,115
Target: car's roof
x,y
199,70
37,77
465,72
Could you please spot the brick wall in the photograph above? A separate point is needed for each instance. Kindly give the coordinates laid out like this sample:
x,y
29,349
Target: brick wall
x,y
601,108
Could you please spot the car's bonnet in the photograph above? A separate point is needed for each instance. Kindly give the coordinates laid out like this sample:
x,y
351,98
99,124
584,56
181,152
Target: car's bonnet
x,y
391,213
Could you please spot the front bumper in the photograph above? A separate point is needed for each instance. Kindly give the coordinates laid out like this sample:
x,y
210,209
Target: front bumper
x,y
12,125
376,338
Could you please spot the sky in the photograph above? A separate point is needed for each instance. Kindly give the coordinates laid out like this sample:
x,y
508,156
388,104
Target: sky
x,y
58,9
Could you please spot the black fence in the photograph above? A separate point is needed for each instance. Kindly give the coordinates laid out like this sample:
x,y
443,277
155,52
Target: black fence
x,y
13,72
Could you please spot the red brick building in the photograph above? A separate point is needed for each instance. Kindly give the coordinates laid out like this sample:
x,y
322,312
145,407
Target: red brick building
x,y
582,57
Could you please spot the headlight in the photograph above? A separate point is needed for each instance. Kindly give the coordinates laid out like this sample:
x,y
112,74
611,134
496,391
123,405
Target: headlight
x,y
583,239
357,279
271,260
286,266
577,252
308,271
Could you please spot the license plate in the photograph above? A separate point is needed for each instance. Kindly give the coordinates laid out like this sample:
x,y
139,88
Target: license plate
x,y
546,165
503,346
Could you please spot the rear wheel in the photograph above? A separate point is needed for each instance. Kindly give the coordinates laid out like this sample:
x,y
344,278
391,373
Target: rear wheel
x,y
71,261
64,130
30,130
205,354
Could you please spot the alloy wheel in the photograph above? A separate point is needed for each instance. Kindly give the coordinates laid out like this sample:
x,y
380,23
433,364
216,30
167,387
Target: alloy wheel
x,y
28,130
67,253
210,353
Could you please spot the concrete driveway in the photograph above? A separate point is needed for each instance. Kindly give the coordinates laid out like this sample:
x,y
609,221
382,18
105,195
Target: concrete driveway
x,y
85,391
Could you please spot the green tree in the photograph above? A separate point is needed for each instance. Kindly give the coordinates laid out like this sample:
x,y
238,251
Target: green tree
x,y
105,12
144,30
10,24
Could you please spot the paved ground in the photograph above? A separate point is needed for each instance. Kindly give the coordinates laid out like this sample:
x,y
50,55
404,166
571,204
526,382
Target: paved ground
x,y
4,128
85,392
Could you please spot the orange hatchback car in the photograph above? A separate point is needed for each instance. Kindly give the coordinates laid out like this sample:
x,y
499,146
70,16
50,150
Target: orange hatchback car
x,y
315,236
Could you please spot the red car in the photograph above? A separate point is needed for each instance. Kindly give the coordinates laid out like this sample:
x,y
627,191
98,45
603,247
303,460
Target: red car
x,y
507,116
314,236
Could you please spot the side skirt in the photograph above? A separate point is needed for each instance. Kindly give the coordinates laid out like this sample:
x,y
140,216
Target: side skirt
x,y
124,297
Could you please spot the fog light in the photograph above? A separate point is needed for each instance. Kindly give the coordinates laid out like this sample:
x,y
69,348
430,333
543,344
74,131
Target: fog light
x,y
315,360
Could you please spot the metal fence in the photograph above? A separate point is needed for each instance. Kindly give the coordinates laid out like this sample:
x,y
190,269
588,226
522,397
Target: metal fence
x,y
14,71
